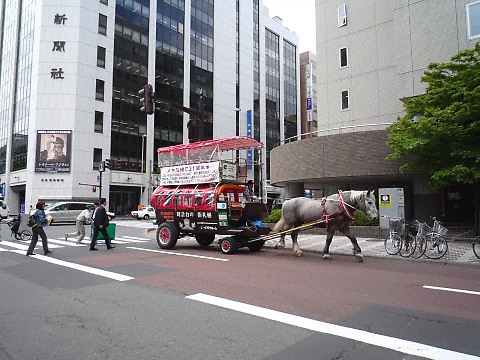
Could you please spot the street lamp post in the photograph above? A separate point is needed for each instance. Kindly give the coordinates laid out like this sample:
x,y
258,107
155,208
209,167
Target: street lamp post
x,y
143,178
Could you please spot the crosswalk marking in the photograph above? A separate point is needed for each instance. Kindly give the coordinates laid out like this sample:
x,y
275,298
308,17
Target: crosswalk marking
x,y
60,242
63,242
84,268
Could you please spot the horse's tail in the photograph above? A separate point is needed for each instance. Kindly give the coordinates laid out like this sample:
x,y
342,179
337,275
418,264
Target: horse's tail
x,y
279,225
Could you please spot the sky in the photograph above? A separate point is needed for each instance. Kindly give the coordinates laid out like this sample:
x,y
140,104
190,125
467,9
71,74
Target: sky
x,y
299,17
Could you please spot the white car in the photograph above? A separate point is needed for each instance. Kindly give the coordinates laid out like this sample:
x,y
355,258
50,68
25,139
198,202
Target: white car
x,y
144,213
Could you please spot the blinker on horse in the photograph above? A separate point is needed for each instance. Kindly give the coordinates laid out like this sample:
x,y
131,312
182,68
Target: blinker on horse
x,y
334,212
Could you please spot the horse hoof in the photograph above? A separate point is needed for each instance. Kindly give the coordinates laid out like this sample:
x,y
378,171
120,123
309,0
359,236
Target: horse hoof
x,y
327,257
279,246
298,254
359,257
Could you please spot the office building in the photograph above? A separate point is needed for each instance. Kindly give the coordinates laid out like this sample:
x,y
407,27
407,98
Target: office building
x,y
370,55
70,73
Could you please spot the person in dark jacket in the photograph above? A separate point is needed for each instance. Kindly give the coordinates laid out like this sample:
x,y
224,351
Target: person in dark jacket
x,y
100,223
40,222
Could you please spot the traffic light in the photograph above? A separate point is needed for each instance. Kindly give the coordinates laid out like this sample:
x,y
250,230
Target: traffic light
x,y
147,99
108,164
94,188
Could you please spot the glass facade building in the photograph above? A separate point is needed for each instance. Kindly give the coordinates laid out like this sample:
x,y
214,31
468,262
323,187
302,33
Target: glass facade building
x,y
72,77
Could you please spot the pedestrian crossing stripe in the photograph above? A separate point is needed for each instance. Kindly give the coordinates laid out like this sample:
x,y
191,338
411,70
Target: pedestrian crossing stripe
x,y
6,245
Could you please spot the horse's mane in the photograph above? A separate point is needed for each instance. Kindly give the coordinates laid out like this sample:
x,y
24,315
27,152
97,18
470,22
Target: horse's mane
x,y
356,195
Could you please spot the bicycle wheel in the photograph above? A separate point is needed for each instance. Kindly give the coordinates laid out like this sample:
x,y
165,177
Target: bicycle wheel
x,y
420,248
408,245
26,235
437,246
476,246
393,244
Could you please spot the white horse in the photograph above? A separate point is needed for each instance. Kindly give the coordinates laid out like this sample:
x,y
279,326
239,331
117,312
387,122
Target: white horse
x,y
336,211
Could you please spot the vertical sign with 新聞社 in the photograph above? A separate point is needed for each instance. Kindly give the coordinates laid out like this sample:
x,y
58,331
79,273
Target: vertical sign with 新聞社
x,y
249,133
309,83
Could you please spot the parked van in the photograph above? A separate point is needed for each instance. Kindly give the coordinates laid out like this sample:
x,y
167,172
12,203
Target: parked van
x,y
4,210
67,211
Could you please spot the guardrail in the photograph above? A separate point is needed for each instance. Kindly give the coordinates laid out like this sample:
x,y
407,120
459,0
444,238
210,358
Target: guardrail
x,y
334,131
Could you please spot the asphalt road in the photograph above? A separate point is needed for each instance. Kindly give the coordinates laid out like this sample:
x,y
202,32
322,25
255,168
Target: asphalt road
x,y
138,301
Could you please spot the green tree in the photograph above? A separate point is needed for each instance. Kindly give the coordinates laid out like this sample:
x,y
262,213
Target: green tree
x,y
440,133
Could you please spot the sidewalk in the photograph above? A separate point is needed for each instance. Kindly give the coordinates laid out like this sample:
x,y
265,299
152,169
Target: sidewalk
x,y
458,251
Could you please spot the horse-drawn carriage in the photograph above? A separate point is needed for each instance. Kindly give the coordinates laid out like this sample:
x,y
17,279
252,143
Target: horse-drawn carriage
x,y
201,194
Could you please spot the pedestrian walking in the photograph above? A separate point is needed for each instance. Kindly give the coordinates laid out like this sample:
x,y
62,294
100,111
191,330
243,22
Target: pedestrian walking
x,y
100,224
85,217
38,229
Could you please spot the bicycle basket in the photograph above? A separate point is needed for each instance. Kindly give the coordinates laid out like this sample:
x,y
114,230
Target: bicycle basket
x,y
440,229
426,229
395,225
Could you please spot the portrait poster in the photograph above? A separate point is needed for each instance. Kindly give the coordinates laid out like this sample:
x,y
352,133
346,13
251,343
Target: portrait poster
x,y
54,148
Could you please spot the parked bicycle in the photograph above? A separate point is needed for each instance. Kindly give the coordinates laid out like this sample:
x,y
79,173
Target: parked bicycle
x,y
17,232
398,241
420,239
436,245
476,246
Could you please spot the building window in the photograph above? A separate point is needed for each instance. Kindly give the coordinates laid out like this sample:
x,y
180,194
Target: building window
x,y
345,97
100,90
102,24
343,57
97,158
101,56
473,20
342,15
104,2
98,122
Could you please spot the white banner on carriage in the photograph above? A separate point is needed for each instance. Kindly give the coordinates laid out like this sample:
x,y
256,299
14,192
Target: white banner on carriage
x,y
190,174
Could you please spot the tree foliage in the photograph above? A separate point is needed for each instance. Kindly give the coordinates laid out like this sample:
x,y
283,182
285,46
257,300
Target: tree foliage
x,y
440,133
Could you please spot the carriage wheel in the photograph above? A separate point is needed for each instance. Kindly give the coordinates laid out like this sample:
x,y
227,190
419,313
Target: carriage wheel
x,y
167,235
256,245
26,235
229,245
205,239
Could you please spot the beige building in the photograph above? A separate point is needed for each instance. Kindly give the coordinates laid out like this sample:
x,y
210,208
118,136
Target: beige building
x,y
370,55
308,93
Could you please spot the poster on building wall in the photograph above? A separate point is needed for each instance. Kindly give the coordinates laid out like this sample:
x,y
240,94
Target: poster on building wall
x,y
53,152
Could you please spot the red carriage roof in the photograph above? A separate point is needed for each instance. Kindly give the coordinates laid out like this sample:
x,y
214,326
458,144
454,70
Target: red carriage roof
x,y
225,144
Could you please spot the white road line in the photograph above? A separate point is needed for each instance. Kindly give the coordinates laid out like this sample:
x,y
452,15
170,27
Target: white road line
x,y
84,268
135,238
451,289
15,245
178,254
402,346
63,242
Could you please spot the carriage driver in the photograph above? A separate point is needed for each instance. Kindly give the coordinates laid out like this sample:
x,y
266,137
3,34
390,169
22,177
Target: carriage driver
x,y
248,193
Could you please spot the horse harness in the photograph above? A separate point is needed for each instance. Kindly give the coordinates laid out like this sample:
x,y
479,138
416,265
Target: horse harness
x,y
343,209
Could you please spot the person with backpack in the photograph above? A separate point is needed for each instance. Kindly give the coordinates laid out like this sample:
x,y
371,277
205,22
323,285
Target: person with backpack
x,y
38,229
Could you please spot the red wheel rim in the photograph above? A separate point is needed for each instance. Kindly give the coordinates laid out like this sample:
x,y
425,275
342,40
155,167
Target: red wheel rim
x,y
226,245
164,236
